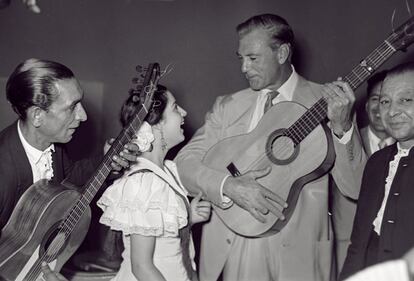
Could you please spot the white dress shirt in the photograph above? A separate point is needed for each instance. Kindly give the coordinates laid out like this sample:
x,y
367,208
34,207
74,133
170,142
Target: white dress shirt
x,y
388,182
374,141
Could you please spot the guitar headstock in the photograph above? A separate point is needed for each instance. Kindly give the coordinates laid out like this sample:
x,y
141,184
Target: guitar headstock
x,y
403,36
146,83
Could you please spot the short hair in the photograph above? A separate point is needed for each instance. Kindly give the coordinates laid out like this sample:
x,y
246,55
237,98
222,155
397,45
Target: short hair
x,y
277,27
400,69
154,115
33,83
374,80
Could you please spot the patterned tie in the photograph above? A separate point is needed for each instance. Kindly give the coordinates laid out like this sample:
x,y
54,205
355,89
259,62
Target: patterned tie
x,y
270,96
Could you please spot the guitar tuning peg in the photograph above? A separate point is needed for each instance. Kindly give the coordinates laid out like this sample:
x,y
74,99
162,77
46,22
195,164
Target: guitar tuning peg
x,y
131,91
138,68
136,80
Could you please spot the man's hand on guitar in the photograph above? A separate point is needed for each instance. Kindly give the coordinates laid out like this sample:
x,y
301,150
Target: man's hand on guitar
x,y
125,157
341,99
50,275
246,192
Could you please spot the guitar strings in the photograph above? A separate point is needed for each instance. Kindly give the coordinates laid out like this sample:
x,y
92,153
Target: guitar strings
x,y
79,208
359,72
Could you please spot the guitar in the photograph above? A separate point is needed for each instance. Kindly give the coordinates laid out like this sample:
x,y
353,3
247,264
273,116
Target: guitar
x,y
293,140
50,220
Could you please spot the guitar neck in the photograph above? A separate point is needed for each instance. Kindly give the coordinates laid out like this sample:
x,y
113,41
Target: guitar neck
x,y
98,178
359,74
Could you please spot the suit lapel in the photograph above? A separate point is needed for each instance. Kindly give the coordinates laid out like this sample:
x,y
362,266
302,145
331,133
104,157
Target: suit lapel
x,y
241,111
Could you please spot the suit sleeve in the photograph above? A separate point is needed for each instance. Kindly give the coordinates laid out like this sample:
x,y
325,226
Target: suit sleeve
x,y
194,174
349,165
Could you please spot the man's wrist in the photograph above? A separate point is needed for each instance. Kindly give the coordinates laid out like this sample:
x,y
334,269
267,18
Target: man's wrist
x,y
341,130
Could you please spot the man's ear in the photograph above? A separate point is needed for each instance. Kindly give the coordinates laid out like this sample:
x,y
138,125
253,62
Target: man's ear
x,y
35,116
283,53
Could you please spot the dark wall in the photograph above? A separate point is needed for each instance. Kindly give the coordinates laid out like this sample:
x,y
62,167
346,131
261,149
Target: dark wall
x,y
103,40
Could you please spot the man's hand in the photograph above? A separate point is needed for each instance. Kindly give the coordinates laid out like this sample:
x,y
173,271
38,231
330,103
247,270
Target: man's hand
x,y
127,156
49,275
340,99
200,210
246,192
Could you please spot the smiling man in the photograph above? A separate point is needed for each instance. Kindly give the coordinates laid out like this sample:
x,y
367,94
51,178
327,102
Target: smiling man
x,y
303,249
383,227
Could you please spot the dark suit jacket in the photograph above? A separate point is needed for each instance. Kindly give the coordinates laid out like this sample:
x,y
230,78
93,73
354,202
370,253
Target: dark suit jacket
x,y
397,231
16,174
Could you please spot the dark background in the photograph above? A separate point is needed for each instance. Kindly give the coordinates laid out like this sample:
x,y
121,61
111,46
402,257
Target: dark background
x,y
103,40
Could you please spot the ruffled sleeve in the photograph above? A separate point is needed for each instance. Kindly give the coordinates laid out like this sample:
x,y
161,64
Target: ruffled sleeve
x,y
142,203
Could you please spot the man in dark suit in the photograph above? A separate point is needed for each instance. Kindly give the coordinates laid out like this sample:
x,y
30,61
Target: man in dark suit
x,y
48,101
373,137
302,250
383,227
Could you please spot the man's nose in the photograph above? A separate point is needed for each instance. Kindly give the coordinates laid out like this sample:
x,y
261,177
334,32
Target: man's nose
x,y
81,113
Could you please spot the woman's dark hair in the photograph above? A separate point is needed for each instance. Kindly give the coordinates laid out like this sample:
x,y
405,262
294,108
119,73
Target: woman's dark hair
x,y
33,83
133,103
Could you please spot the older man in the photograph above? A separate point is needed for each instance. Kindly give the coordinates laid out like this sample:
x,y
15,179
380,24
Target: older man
x,y
302,250
383,226
48,101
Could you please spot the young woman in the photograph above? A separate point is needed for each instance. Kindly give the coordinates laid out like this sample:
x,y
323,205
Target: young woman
x,y
149,204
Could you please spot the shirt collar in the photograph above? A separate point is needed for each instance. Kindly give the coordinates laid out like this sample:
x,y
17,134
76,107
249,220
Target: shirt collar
x,y
33,153
376,140
402,151
286,89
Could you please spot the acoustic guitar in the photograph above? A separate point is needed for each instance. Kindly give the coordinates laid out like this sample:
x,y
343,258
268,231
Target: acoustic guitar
x,y
294,141
50,221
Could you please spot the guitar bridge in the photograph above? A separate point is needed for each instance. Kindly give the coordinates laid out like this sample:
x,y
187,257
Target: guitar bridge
x,y
233,170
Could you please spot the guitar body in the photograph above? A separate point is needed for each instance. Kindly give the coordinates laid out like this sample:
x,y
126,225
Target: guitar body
x,y
32,230
292,165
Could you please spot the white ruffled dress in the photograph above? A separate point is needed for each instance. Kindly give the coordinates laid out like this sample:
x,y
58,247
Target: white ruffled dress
x,y
143,203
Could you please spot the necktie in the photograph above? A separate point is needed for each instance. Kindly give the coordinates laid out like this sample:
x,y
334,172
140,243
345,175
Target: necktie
x,y
270,96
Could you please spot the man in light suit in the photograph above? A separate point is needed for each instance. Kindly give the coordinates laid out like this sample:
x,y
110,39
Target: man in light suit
x,y
303,249
374,137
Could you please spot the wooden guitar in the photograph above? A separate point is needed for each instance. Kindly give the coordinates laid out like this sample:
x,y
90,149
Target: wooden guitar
x,y
50,221
293,140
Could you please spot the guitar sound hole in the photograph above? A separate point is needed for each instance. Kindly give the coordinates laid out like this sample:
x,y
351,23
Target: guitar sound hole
x,y
280,149
53,243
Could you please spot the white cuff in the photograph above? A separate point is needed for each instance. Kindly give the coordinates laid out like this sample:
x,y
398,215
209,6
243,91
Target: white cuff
x,y
226,202
346,137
